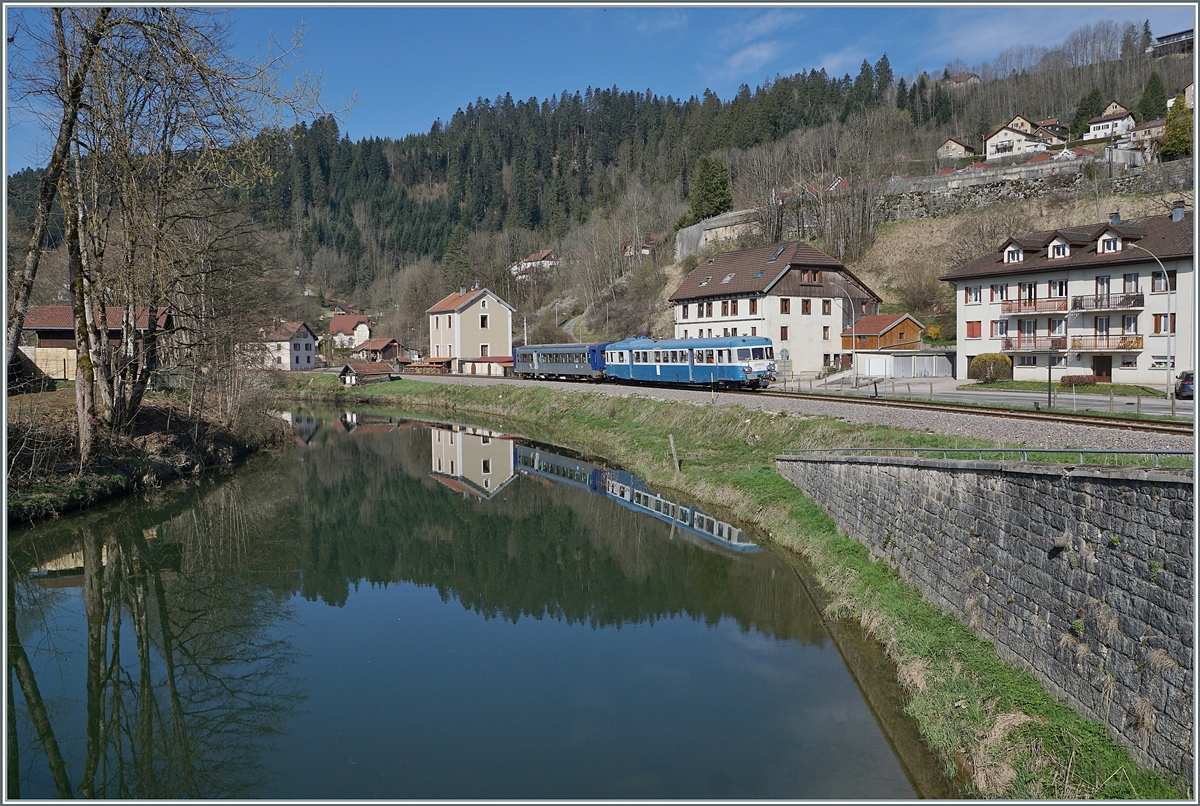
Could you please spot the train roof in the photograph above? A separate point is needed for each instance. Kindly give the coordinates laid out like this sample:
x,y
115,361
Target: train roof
x,y
677,344
572,346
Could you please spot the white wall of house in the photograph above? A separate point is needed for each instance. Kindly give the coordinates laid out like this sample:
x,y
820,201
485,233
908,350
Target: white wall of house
x,y
296,354
483,328
1109,128
1010,142
813,339
1138,353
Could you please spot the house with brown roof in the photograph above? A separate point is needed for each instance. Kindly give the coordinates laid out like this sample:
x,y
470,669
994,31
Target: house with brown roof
x,y
1090,299
285,345
1009,142
48,335
792,293
963,80
885,331
527,268
472,328
1111,123
889,346
380,349
355,374
1189,96
953,149
1022,124
1148,134
349,330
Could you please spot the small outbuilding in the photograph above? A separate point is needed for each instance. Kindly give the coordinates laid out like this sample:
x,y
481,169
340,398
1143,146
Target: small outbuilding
x,y
355,374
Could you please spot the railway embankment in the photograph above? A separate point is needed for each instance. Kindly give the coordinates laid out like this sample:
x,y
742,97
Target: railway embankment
x,y
1080,574
990,722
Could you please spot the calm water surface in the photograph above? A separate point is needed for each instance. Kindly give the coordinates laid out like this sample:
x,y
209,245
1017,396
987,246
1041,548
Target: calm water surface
x,y
395,610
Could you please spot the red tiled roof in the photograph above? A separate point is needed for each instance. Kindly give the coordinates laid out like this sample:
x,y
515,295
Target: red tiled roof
x,y
376,344
545,254
456,301
960,142
344,324
1042,157
284,331
503,360
878,324
947,170
62,317
1166,239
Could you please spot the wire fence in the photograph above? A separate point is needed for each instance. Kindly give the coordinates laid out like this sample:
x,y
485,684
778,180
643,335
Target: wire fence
x,y
1131,458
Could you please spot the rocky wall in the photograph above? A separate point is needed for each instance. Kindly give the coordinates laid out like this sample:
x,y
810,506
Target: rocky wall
x,y
1081,575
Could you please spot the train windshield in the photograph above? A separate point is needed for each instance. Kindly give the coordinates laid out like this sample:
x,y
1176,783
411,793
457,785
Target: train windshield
x,y
758,353
743,354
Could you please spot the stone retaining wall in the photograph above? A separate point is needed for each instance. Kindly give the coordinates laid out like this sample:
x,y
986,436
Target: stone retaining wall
x,y
1082,575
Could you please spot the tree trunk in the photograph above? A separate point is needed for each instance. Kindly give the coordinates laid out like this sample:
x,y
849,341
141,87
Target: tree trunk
x,y
85,406
72,92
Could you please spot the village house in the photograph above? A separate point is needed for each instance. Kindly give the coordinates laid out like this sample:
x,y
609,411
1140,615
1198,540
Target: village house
x,y
1021,124
1049,136
1053,126
285,345
48,335
792,293
1009,142
471,331
349,330
963,80
380,349
1148,134
889,346
1115,121
473,461
1189,97
1088,300
954,149
355,374
539,262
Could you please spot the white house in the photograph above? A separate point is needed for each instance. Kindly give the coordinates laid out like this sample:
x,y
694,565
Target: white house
x,y
473,461
1009,142
1110,124
349,330
286,345
1088,300
473,329
526,269
792,293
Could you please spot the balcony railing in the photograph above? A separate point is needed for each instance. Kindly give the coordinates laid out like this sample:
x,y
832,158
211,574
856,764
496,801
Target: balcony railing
x,y
1018,344
1108,302
1034,305
1121,342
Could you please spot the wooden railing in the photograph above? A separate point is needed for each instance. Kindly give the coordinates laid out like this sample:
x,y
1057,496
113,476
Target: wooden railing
x,y
1108,302
1034,305
1116,342
1026,343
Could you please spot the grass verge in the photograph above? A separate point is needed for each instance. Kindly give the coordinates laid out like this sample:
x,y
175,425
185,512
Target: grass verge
x,y
989,722
1102,389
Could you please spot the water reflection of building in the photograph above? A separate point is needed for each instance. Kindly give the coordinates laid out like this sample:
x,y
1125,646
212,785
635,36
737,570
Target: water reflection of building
x,y
304,426
632,493
474,461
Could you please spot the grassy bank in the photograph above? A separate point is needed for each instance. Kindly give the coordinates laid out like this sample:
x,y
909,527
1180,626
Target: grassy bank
x,y
983,718
163,442
1102,389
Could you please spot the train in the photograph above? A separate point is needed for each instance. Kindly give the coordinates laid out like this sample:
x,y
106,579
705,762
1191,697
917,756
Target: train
x,y
746,362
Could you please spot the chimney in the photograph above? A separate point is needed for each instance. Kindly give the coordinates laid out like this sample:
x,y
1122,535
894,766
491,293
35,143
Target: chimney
x,y
462,290
1177,211
1114,218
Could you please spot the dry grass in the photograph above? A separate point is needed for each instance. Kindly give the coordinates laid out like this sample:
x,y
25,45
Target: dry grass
x,y
1159,662
992,775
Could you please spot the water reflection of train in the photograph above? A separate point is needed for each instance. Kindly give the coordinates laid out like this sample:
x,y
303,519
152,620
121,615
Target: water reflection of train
x,y
632,493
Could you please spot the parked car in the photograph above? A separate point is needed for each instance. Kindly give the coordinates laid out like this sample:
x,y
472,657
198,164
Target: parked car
x,y
1185,387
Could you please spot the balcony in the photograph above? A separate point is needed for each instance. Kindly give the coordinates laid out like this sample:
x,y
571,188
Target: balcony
x,y
1109,302
1034,305
1024,344
1124,342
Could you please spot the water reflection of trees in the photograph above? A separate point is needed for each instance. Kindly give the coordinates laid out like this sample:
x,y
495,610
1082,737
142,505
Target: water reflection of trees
x,y
186,671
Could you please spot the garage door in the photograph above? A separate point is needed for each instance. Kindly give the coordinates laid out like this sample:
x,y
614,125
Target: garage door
x,y
877,367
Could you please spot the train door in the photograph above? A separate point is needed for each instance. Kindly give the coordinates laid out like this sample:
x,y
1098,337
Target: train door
x,y
691,373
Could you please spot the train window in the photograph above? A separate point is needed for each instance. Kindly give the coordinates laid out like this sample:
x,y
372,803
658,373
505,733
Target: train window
x,y
621,356
758,353
657,356
770,353
708,356
743,354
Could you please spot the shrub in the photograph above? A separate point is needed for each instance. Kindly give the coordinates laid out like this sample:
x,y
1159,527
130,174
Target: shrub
x,y
990,367
933,332
1077,380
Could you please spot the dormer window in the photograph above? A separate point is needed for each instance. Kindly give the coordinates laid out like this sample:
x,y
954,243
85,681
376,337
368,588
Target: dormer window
x,y
1109,244
1013,254
1059,250
728,277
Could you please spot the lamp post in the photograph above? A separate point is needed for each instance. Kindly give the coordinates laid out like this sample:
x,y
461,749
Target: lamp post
x,y
853,341
1167,288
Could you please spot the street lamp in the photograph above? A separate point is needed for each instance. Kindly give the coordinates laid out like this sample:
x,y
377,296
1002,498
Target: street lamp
x,y
1167,287
853,341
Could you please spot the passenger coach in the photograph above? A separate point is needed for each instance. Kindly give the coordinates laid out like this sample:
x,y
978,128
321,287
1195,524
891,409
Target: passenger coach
x,y
559,361
737,361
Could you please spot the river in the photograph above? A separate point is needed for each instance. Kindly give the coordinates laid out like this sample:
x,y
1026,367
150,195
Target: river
x,y
406,610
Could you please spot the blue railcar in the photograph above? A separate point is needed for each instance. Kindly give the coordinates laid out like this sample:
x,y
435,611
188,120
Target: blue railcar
x,y
560,361
732,361
562,469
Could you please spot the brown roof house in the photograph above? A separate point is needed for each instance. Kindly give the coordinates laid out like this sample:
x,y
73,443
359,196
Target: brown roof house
x,y
792,293
380,349
1112,123
48,334
953,149
355,374
530,267
1090,299
473,327
349,330
288,346
889,346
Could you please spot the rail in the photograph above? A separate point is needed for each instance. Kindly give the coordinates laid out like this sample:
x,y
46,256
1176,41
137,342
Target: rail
x,y
1121,342
978,453
1051,305
1108,302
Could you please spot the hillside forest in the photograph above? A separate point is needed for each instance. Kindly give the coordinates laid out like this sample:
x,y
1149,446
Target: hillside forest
x,y
395,224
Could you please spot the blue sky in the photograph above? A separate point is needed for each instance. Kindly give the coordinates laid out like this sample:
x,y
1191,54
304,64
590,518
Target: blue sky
x,y
411,65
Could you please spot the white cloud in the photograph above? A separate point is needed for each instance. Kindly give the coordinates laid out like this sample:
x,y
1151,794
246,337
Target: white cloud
x,y
772,22
749,59
662,22
846,60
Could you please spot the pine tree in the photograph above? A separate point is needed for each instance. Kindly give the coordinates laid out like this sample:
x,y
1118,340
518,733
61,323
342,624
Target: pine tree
x,y
711,193
1154,100
1177,142
1090,106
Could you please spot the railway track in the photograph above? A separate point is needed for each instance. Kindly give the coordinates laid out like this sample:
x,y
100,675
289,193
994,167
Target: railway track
x,y
1074,418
